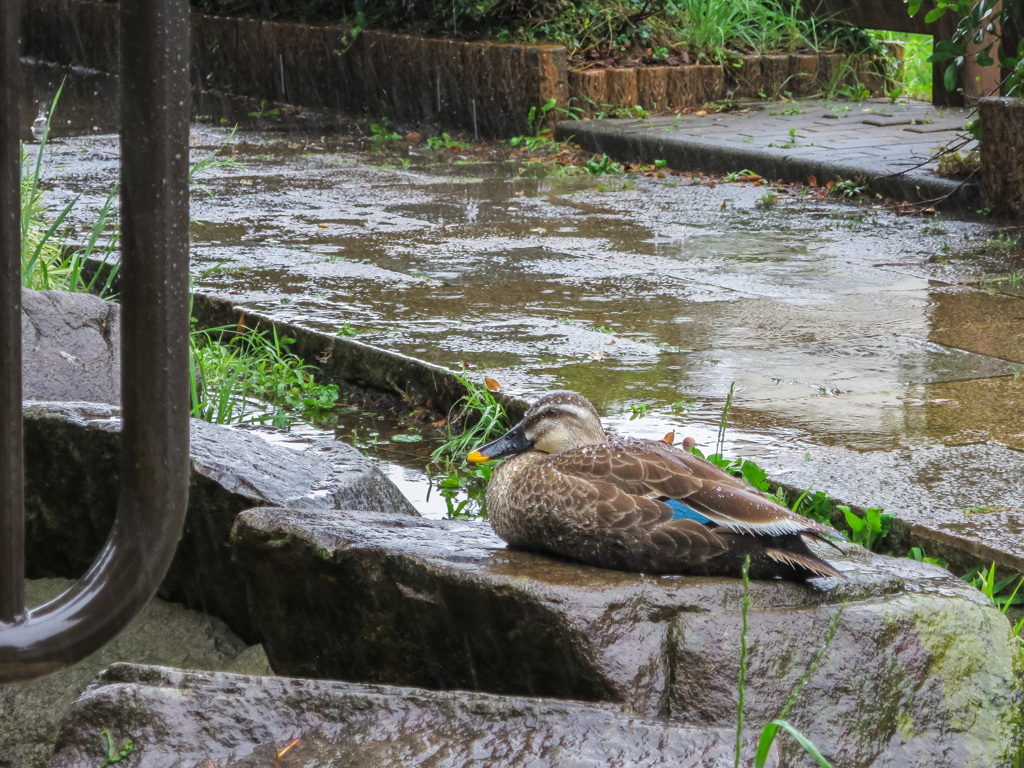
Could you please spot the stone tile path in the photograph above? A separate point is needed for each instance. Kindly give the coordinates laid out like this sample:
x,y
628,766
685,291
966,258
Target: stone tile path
x,y
890,145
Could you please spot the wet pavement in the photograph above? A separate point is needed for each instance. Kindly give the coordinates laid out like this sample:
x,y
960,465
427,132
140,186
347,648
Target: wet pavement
x,y
890,146
845,328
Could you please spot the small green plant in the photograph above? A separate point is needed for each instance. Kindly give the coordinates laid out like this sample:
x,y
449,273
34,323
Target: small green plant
x,y
115,755
660,53
483,415
349,38
639,410
445,141
767,200
640,113
349,330
660,163
870,529
470,480
380,133
602,164
848,188
263,112
743,175
917,553
536,120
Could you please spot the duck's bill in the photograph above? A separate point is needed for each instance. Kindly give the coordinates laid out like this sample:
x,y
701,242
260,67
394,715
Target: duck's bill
x,y
512,442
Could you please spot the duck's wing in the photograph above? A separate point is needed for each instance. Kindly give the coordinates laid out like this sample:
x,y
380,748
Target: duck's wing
x,y
641,469
603,523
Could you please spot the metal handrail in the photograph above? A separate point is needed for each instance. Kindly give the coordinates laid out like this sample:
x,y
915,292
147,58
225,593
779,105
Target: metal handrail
x,y
154,350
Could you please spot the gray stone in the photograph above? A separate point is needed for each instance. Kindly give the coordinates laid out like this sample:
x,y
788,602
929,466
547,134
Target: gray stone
x,y
923,670
177,718
930,490
71,347
163,633
72,473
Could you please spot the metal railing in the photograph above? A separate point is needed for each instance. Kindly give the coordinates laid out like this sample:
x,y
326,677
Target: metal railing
x,y
154,349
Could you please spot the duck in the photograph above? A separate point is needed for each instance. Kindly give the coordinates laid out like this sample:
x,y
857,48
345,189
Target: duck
x,y
567,489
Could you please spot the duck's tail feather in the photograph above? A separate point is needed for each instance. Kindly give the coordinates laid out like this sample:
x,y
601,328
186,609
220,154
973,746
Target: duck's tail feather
x,y
809,562
818,536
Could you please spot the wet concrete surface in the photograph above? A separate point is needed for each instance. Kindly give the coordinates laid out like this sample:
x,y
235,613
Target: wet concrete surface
x,y
842,325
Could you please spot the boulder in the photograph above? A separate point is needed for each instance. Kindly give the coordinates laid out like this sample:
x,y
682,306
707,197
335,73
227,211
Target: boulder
x,y
922,671
178,718
164,633
70,347
72,475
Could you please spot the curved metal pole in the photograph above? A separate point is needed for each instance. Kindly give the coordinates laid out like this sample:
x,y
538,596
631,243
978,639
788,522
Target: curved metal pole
x,y
154,358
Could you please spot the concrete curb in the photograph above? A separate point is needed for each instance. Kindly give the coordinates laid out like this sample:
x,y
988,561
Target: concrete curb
x,y
631,140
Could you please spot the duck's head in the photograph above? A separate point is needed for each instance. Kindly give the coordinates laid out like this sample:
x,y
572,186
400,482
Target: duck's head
x,y
555,423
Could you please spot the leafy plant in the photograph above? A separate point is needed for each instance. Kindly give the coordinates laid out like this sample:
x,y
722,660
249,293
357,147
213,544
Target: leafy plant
x,y
602,164
536,120
470,480
349,38
980,23
870,529
639,410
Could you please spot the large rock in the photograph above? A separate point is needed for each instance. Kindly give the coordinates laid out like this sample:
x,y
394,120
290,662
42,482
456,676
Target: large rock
x,y
164,633
177,718
72,473
70,347
923,671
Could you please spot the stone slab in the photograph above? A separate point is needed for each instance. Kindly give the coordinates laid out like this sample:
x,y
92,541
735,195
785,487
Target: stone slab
x,y
71,347
182,718
163,633
444,604
930,491
694,142
72,470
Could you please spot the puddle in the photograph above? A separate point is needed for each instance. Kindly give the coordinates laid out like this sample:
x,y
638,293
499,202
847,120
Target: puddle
x,y
839,324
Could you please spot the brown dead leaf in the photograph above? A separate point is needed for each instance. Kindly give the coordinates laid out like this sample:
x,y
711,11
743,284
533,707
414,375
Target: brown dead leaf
x,y
830,185
701,112
430,402
812,181
491,384
722,206
240,328
670,437
413,137
440,422
597,356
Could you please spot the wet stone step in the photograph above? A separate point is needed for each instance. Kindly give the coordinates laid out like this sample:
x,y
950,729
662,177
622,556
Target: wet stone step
x,y
183,718
964,503
445,605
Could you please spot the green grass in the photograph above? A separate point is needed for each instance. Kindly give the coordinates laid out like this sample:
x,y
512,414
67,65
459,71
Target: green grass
x,y
476,419
47,262
234,367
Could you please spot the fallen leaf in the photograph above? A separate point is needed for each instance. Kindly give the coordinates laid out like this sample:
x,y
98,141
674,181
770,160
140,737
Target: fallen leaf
x,y
711,184
701,113
661,174
491,384
240,328
413,137
670,437
597,356
830,185
722,206
430,402
322,226
440,422
812,181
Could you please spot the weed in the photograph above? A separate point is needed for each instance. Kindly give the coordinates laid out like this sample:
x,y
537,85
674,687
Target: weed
x,y
849,188
639,410
252,364
536,120
445,141
917,553
602,164
640,113
986,582
485,416
349,330
349,38
115,755
263,112
984,510
380,133
767,200
870,529
743,175
470,480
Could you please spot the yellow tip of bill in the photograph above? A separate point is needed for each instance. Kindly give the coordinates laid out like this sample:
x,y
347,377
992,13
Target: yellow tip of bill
x,y
476,457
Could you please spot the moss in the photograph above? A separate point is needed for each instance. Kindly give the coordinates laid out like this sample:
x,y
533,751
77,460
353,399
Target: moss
x,y
974,654
278,542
